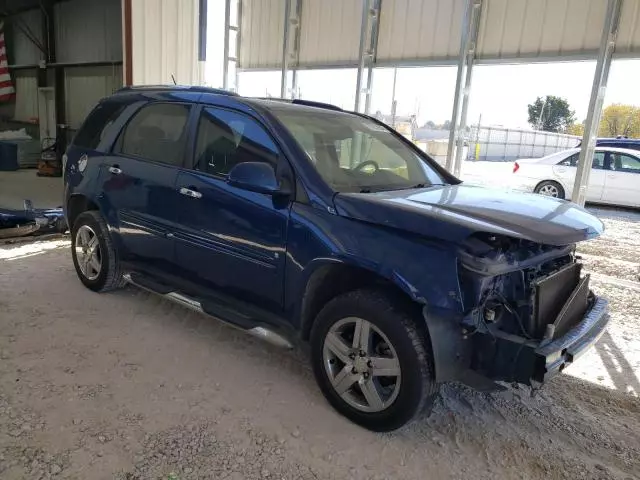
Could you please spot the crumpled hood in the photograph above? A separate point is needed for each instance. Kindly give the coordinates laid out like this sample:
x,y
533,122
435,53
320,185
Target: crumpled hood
x,y
453,212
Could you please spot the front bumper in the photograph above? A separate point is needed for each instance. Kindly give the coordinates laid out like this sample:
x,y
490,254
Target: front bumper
x,y
500,356
554,356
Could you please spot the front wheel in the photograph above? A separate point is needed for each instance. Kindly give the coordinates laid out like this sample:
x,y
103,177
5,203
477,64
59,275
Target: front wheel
x,y
371,361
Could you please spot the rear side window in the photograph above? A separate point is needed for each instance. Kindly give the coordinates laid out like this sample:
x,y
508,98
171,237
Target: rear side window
x,y
157,132
572,161
97,123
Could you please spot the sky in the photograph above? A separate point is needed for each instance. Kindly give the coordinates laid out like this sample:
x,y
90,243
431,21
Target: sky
x,y
499,94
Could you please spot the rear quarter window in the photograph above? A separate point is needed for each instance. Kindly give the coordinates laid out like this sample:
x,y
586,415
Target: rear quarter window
x,y
97,124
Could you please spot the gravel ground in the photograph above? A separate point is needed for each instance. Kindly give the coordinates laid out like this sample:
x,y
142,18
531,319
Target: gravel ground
x,y
128,386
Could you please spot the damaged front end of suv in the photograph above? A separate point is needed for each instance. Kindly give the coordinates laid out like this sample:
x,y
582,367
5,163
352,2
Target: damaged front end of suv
x,y
529,311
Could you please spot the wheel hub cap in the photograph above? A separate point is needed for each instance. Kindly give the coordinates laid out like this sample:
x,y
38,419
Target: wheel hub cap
x,y
361,364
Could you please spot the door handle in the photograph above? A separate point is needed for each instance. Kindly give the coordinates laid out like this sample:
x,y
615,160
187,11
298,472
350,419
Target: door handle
x,y
190,193
611,175
115,170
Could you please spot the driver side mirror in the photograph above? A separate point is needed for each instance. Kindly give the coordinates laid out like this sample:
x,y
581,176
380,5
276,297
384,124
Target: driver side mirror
x,y
257,177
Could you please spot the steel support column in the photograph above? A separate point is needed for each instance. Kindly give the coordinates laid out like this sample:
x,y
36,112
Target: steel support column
x,y
600,79
470,27
230,58
290,48
367,51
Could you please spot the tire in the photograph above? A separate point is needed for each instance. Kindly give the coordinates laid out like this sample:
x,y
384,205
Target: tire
x,y
550,189
402,397
108,276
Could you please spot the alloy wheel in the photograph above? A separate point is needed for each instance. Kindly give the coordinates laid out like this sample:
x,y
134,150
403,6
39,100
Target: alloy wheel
x,y
362,364
549,190
88,252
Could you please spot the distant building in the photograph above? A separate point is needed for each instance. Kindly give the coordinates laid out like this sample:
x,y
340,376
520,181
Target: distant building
x,y
405,125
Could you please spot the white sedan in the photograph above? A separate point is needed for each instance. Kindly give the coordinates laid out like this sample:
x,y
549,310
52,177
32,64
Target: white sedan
x,y
614,178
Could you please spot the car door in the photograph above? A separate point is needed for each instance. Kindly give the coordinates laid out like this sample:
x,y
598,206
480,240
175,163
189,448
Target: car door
x,y
566,170
622,182
231,240
138,182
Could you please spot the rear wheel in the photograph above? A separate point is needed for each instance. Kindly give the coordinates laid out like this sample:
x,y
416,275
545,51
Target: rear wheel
x,y
94,255
371,361
550,188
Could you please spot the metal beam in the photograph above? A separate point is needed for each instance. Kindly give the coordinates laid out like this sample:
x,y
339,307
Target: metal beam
x,y
600,79
227,33
470,27
284,70
367,51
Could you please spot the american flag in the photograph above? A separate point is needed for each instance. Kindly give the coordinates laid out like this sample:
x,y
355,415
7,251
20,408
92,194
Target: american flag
x,y
6,85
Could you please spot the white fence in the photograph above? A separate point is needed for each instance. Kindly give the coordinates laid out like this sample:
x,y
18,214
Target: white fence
x,y
505,144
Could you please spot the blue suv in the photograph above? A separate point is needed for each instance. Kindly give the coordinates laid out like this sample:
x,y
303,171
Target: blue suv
x,y
302,223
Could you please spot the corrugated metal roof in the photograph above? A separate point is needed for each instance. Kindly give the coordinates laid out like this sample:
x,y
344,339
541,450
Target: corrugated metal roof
x,y
414,32
341,18
420,29
262,32
628,41
88,31
535,28
165,42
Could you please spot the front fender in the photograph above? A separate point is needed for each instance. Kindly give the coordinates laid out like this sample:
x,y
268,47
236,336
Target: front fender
x,y
425,270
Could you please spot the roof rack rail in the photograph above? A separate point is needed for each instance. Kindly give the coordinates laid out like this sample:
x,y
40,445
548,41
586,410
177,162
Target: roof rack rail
x,y
310,103
191,88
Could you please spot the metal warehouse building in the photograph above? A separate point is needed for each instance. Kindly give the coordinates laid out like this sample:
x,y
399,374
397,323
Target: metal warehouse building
x,y
64,56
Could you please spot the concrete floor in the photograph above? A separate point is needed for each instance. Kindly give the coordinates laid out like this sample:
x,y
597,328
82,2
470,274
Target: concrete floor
x,y
16,186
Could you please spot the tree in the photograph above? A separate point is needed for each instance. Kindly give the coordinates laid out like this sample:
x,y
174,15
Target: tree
x,y
551,114
576,129
619,119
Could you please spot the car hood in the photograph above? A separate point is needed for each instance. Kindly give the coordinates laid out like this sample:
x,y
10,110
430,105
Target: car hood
x,y
453,212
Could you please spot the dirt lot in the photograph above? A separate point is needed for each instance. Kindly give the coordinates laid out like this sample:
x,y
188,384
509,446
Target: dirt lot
x,y
127,386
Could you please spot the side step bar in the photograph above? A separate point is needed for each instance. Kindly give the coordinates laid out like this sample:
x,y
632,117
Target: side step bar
x,y
258,331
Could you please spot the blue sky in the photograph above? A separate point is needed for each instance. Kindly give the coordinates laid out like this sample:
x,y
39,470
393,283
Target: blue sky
x,y
500,93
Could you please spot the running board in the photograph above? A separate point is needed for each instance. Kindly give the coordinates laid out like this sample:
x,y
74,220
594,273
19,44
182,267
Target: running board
x,y
259,331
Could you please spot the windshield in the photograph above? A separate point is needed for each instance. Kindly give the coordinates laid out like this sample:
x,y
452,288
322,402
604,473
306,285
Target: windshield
x,y
354,154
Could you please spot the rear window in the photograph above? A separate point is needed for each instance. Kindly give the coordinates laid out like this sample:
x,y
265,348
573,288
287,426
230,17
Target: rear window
x,y
96,125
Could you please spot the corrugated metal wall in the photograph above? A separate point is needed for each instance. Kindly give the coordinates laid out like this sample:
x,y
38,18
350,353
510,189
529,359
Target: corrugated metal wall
x,y
25,106
22,51
261,33
165,42
420,29
414,32
88,31
85,86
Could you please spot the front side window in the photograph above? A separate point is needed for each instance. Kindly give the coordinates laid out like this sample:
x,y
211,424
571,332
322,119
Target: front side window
x,y
227,138
354,154
157,132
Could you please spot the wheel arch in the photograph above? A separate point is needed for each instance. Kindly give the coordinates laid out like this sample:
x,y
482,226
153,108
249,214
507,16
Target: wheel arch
x,y
77,204
328,278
